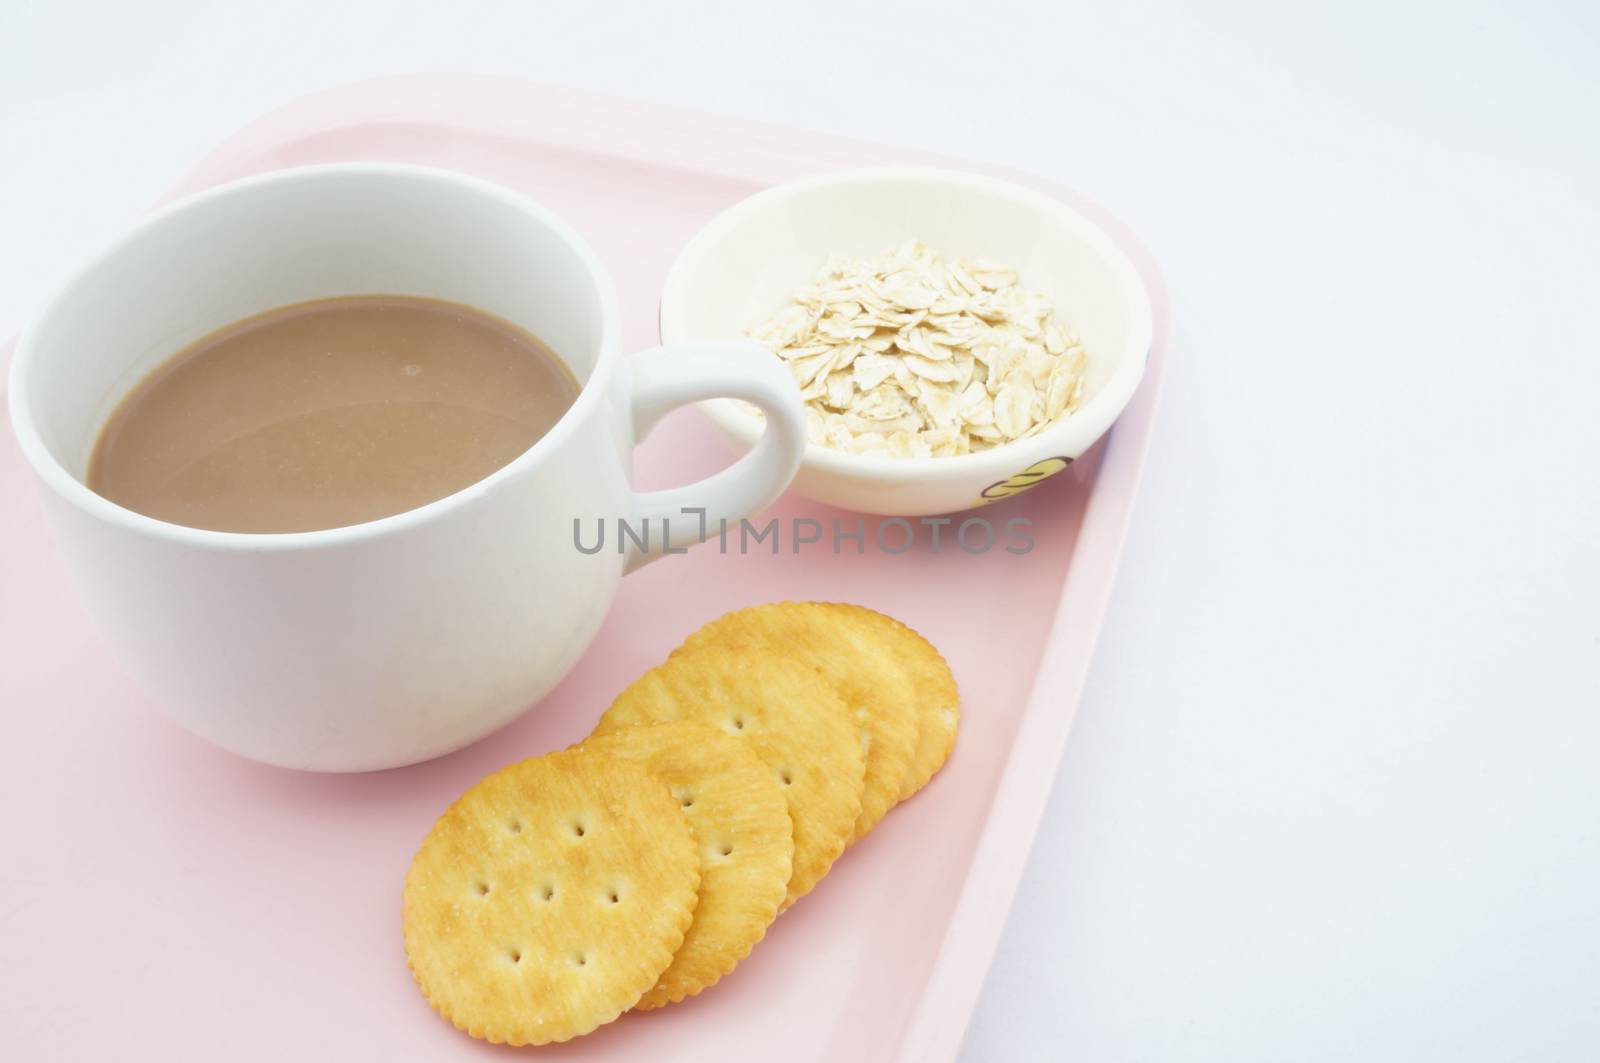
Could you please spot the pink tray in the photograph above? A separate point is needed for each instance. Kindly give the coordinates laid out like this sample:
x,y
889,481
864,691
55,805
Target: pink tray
x,y
159,898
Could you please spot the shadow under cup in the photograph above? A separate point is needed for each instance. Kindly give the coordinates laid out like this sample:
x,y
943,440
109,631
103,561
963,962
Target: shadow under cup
x,y
367,646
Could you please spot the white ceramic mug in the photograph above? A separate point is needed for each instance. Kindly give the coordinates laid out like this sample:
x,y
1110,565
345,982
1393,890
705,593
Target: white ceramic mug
x,y
397,640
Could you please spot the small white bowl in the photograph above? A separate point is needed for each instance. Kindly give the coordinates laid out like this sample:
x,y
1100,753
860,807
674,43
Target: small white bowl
x,y
743,266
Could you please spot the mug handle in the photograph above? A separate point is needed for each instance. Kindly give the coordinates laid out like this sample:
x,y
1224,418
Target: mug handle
x,y
662,379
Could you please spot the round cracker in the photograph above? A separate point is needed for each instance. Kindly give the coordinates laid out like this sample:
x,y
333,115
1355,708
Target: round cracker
x,y
788,716
938,700
550,897
740,821
869,681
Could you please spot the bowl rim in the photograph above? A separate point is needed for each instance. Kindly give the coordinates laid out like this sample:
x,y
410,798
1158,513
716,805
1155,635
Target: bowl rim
x,y
1068,437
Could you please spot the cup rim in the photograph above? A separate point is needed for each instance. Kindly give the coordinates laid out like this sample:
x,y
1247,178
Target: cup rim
x,y
75,492
1067,436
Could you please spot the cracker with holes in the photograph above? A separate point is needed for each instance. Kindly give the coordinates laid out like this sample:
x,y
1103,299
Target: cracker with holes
x,y
871,683
550,897
938,701
788,716
740,821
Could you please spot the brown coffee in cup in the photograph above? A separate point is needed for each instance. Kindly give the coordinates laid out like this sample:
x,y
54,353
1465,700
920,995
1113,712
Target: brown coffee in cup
x,y
329,413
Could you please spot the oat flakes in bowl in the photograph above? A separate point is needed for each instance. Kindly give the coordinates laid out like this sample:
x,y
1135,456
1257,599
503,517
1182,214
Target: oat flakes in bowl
x,y
744,269
907,355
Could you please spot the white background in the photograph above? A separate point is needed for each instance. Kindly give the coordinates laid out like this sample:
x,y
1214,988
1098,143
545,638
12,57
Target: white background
x,y
1334,788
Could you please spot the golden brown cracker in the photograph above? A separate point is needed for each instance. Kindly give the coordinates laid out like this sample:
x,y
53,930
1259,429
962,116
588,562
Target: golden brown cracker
x,y
550,897
938,700
740,820
870,683
790,718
